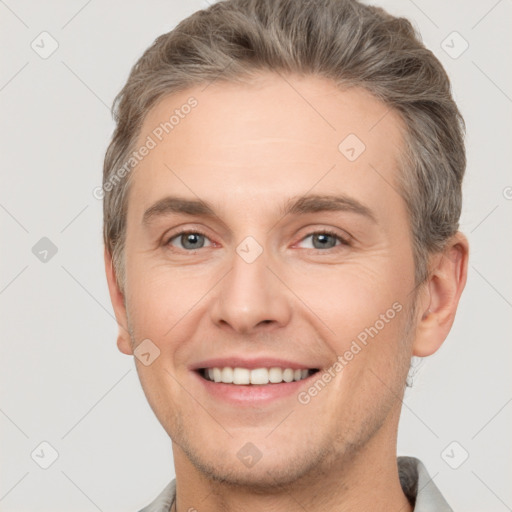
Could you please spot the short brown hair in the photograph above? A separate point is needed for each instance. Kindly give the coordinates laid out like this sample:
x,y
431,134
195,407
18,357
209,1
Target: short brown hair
x,y
354,45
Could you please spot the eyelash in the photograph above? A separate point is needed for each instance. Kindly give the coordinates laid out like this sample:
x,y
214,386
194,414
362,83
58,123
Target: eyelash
x,y
344,241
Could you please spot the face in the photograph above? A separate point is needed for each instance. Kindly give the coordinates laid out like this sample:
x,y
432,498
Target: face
x,y
260,249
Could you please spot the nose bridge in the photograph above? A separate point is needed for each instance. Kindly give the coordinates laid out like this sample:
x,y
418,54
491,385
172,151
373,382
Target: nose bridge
x,y
250,295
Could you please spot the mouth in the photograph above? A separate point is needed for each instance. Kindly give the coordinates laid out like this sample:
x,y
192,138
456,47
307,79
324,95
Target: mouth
x,y
240,381
239,376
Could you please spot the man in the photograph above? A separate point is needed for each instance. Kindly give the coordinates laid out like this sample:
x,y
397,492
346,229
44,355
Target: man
x,y
282,197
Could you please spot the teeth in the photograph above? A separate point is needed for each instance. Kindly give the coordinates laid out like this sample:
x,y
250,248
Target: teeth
x,y
259,376
241,376
227,375
288,375
275,375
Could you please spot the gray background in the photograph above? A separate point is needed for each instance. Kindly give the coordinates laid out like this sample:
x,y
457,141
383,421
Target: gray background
x,y
62,378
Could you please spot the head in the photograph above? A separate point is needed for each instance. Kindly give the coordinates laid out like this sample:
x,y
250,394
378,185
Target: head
x,y
314,155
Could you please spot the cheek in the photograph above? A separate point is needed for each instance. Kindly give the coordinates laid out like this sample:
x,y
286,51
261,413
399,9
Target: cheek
x,y
349,298
166,305
361,311
162,393
158,295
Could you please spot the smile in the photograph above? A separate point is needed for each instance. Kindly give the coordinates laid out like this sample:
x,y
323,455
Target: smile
x,y
256,376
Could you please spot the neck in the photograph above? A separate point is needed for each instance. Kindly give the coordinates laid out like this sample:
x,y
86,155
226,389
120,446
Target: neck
x,y
366,480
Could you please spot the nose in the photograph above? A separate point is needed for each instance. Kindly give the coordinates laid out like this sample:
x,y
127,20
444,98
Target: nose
x,y
251,297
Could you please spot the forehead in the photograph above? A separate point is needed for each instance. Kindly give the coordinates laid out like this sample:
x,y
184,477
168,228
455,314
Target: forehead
x,y
277,137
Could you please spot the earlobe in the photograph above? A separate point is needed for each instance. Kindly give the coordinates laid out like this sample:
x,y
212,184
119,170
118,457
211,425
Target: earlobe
x,y
118,304
445,284
124,345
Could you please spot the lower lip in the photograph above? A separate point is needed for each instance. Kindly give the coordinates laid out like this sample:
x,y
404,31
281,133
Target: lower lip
x,y
252,394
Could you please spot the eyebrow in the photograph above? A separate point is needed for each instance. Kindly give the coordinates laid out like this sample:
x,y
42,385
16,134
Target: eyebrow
x,y
294,206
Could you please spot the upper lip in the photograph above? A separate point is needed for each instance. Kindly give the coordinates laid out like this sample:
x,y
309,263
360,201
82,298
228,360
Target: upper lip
x,y
259,362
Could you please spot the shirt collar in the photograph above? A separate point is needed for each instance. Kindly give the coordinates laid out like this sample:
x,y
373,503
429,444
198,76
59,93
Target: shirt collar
x,y
419,487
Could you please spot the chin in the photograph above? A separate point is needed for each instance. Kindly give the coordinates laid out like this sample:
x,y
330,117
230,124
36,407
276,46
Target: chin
x,y
275,469
263,478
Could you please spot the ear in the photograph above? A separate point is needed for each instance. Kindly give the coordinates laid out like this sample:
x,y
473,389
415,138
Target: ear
x,y
118,303
442,292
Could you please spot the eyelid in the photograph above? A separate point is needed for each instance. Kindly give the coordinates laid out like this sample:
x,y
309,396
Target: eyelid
x,y
344,240
183,231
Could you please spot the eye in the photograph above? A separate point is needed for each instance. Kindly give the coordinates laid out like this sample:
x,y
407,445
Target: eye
x,y
324,240
189,240
194,240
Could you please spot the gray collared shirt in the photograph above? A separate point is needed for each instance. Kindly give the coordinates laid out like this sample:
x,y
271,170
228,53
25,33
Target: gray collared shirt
x,y
414,478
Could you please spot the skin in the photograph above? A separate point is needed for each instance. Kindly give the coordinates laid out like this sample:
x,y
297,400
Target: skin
x,y
245,149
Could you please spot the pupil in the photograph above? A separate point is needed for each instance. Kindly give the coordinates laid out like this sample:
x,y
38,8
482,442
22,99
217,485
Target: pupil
x,y
191,238
323,237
